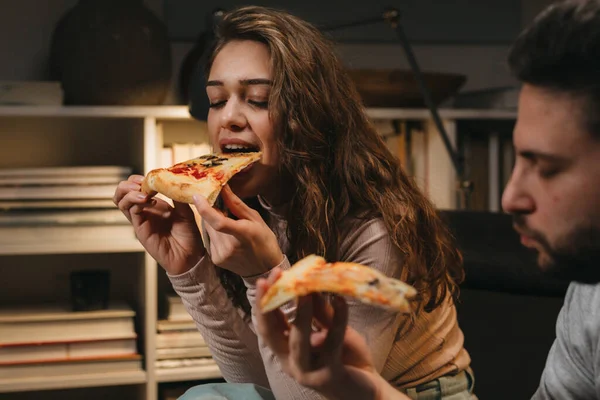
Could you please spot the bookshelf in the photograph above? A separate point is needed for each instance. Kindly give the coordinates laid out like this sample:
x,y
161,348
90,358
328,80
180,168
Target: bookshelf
x,y
35,261
188,373
75,381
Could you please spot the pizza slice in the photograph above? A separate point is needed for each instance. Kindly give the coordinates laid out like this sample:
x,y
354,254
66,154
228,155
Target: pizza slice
x,y
204,175
313,274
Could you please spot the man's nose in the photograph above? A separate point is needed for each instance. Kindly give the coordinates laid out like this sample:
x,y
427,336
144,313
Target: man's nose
x,y
516,198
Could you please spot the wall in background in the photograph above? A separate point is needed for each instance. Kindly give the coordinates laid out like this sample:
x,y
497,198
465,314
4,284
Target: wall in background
x,y
26,28
425,21
27,25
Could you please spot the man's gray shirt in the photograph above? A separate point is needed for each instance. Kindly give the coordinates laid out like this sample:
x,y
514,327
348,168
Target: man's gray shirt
x,y
572,369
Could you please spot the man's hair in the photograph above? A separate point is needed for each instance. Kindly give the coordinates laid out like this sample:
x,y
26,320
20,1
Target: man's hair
x,y
560,51
336,161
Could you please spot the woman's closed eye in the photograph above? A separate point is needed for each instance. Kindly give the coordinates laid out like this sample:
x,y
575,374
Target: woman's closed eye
x,y
259,103
217,103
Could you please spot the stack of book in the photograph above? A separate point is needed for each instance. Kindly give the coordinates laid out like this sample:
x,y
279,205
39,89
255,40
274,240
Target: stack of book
x,y
52,340
178,341
60,187
31,93
179,152
56,199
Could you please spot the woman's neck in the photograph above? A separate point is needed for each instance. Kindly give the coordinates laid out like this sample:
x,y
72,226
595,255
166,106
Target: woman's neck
x,y
278,192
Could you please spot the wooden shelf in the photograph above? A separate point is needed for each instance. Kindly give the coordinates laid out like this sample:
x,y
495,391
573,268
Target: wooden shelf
x,y
188,373
182,113
55,129
159,112
68,239
448,113
72,381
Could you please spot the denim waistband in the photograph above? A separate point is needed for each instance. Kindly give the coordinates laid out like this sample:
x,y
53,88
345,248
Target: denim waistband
x,y
455,385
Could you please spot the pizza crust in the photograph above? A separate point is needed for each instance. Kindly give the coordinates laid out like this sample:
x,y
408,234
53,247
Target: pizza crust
x,y
313,274
182,187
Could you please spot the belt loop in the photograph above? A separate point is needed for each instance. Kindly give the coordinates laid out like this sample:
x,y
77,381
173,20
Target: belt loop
x,y
412,393
453,384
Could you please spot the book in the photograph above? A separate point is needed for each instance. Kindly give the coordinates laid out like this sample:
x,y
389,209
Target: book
x,y
183,352
59,180
68,238
68,171
184,362
38,93
50,323
63,217
62,192
169,326
71,367
200,149
56,204
192,338
173,309
60,351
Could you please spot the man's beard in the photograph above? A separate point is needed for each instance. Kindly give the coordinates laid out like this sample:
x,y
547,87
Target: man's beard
x,y
574,257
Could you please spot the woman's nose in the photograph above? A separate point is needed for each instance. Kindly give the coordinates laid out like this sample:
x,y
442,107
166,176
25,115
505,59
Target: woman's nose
x,y
233,117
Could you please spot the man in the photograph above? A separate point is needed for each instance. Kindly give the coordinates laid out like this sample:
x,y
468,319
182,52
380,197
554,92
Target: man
x,y
553,194
554,191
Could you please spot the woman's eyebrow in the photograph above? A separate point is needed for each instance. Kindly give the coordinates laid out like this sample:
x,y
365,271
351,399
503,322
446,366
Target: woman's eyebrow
x,y
245,82
256,81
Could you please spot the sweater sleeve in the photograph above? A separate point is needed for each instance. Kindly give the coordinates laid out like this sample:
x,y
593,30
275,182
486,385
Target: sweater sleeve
x,y
230,338
367,243
569,371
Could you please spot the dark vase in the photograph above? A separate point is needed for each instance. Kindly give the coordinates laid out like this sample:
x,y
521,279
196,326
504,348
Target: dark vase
x,y
111,52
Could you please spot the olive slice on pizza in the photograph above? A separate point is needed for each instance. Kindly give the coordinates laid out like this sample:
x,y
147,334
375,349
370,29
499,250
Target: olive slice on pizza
x,y
313,274
205,175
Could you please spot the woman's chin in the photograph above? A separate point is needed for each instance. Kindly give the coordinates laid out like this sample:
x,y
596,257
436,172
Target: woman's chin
x,y
242,188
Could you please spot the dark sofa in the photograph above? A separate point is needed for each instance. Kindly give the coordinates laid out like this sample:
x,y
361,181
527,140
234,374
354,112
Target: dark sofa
x,y
507,308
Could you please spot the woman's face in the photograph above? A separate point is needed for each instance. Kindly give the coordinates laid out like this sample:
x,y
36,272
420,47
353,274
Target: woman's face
x,y
238,90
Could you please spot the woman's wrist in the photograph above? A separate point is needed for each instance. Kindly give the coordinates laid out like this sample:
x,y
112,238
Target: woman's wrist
x,y
267,267
183,267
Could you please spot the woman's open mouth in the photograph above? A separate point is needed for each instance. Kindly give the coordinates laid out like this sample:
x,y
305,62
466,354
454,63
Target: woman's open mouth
x,y
238,148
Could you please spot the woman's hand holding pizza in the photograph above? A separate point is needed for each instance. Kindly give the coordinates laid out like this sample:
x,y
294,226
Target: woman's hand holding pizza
x,y
169,234
246,246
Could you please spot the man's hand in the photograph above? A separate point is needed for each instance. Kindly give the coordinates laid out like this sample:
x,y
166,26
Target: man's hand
x,y
319,350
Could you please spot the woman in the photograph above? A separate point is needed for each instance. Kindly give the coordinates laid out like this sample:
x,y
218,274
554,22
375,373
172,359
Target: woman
x,y
326,184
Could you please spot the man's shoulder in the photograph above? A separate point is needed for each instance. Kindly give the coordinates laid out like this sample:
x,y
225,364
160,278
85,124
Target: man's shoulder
x,y
583,297
579,320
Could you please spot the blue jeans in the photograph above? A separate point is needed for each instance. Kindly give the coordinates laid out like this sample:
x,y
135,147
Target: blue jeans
x,y
227,391
448,387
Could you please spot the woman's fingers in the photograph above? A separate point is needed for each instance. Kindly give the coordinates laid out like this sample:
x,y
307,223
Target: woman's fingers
x,y
214,217
131,199
124,188
183,209
236,205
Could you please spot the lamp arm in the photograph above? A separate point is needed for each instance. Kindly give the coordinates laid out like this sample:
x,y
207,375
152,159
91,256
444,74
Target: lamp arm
x,y
392,17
